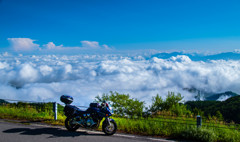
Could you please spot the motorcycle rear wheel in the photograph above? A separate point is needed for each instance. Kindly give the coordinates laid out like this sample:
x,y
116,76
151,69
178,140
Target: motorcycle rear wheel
x,y
69,125
109,130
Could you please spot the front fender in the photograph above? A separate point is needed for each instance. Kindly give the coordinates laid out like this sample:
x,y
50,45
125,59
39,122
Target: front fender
x,y
107,120
111,119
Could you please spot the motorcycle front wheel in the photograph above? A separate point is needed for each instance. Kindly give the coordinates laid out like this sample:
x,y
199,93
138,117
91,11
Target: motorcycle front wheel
x,y
69,124
109,129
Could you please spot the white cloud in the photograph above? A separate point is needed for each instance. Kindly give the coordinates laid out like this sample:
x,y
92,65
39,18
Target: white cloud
x,y
106,46
237,50
51,46
28,73
181,58
223,98
5,54
3,65
45,70
86,76
94,45
23,44
90,44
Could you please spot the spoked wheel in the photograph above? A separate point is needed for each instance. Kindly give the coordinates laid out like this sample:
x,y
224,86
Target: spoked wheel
x,y
69,124
109,129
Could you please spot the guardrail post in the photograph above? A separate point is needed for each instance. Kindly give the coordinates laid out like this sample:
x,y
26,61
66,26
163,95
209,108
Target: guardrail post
x,y
55,110
199,121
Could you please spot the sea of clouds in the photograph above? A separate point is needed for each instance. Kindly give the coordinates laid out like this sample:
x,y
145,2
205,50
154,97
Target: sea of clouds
x,y
47,77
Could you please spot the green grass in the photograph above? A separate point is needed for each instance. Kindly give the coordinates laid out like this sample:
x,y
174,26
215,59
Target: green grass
x,y
179,129
29,113
173,127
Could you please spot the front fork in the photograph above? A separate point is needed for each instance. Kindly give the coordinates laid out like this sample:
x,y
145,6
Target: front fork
x,y
108,121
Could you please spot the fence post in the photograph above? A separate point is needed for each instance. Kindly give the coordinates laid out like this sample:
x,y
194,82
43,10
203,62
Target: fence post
x,y
199,121
55,110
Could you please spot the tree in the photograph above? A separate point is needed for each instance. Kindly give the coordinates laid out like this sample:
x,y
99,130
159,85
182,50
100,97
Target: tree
x,y
157,103
123,104
219,115
172,100
171,104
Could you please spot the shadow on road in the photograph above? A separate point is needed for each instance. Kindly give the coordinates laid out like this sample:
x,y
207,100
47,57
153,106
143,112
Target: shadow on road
x,y
54,132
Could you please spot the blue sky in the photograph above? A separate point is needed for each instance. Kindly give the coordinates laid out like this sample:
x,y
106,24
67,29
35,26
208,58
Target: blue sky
x,y
124,24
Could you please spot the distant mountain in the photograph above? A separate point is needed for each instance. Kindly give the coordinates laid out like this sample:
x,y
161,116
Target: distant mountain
x,y
169,55
200,57
3,102
203,95
224,56
221,96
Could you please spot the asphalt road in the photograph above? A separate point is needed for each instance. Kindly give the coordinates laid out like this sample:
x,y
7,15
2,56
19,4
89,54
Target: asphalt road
x,y
15,131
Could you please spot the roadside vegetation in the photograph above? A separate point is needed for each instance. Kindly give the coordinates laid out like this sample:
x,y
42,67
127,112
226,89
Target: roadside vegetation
x,y
166,118
42,112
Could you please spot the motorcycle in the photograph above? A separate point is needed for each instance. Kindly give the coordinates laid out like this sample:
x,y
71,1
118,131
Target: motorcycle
x,y
90,118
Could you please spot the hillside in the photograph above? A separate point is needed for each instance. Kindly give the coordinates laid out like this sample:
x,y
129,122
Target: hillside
x,y
3,102
230,108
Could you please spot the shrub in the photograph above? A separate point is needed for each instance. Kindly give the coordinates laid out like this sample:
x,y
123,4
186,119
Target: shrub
x,y
199,134
226,135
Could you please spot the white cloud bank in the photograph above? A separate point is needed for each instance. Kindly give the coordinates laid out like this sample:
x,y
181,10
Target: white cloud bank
x,y
47,77
23,44
26,44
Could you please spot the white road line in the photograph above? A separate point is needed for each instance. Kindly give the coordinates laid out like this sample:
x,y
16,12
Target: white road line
x,y
162,140
120,135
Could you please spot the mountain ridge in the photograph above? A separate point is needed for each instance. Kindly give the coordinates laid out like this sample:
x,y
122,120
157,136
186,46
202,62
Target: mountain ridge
x,y
201,57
